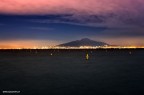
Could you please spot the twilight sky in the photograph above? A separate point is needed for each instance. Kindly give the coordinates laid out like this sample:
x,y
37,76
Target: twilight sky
x,y
29,23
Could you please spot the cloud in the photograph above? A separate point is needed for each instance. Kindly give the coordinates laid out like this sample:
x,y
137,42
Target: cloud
x,y
112,13
71,6
123,19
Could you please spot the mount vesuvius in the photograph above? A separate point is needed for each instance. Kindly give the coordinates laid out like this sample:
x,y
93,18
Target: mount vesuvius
x,y
83,42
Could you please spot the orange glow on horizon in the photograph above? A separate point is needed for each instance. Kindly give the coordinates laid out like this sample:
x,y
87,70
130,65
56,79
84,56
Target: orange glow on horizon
x,y
32,44
25,44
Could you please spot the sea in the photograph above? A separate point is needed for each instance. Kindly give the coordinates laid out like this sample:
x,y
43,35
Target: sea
x,y
70,72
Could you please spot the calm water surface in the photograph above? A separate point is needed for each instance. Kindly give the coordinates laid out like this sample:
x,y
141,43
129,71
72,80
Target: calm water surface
x,y
67,72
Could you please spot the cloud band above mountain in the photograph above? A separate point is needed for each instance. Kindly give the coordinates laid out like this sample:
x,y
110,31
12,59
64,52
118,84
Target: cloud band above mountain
x,y
111,12
70,6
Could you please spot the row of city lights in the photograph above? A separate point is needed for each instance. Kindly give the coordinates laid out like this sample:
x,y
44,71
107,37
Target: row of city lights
x,y
82,47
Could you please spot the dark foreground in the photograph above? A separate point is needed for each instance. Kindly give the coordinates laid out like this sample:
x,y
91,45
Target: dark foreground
x,y
66,72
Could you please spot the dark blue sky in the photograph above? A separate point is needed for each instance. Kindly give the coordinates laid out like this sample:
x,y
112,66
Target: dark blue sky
x,y
48,27
39,25
44,27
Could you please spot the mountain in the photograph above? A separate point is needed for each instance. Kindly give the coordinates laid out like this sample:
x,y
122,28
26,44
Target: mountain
x,y
83,42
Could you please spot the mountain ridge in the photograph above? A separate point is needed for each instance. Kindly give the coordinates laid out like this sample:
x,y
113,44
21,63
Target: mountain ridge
x,y
83,42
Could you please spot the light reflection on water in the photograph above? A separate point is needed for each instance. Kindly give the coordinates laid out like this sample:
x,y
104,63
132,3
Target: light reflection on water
x,y
68,72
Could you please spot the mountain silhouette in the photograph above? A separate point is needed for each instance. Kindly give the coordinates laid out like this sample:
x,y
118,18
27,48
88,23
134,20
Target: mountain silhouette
x,y
83,42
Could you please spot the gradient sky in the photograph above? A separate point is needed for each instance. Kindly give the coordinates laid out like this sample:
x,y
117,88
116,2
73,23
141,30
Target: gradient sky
x,y
29,23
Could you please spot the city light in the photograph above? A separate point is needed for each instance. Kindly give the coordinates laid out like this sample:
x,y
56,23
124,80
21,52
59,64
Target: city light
x,y
83,47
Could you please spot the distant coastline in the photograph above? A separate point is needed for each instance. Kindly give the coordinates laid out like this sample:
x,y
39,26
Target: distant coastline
x,y
79,48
